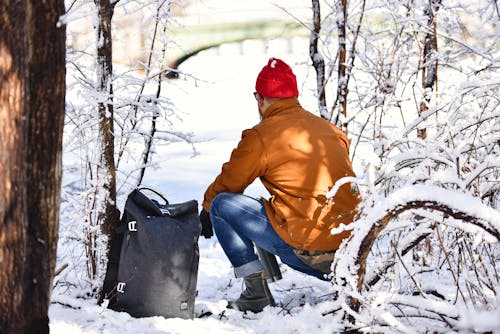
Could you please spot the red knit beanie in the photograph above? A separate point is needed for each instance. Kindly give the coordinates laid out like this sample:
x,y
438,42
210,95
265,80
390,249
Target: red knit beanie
x,y
276,80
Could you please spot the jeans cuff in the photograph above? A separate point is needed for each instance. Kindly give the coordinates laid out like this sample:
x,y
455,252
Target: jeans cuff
x,y
248,269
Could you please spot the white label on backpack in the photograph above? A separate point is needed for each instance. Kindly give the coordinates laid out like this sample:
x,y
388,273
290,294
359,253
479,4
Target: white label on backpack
x,y
184,306
165,211
132,226
120,287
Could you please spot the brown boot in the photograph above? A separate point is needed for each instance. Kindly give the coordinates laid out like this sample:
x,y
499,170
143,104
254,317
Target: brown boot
x,y
256,295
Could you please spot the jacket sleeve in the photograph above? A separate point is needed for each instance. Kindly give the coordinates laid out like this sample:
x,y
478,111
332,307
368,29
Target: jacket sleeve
x,y
247,162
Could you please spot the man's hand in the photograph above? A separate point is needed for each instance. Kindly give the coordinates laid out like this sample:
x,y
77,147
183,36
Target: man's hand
x,y
206,224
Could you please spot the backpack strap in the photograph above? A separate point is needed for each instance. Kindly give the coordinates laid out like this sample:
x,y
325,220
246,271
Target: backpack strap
x,y
144,202
154,191
108,290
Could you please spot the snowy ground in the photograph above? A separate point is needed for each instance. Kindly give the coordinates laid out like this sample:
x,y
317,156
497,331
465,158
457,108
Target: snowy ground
x,y
216,108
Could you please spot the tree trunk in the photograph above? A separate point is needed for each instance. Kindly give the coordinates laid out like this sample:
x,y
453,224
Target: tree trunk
x,y
430,62
32,90
47,89
108,214
104,213
342,78
317,59
13,139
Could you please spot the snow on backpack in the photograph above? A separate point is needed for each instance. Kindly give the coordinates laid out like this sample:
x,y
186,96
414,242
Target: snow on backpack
x,y
153,262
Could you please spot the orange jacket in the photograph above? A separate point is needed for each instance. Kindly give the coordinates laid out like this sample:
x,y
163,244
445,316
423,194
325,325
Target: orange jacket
x,y
298,157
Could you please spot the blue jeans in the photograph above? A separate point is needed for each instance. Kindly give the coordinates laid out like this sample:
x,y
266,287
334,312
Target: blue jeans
x,y
240,221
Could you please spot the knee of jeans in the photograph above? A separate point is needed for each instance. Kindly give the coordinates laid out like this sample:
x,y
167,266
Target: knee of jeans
x,y
218,203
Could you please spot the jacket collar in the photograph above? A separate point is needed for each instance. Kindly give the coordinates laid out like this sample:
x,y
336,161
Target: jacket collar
x,y
282,105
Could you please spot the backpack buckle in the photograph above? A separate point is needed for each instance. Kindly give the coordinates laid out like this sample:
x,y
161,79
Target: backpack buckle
x,y
165,211
132,226
120,287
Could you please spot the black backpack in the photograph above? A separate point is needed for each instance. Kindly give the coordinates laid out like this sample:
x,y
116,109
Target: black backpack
x,y
153,262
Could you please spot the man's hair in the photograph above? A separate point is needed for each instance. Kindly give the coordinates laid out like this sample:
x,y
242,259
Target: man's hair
x,y
271,99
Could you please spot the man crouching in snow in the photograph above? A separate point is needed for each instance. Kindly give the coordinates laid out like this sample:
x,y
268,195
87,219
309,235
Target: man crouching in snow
x,y
298,157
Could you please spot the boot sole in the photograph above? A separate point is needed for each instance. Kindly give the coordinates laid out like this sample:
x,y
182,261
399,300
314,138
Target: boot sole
x,y
254,306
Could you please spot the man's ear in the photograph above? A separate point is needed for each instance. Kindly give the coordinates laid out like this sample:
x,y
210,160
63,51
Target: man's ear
x,y
260,101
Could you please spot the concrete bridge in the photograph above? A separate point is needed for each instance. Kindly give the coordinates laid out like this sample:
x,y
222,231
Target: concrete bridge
x,y
200,38
211,23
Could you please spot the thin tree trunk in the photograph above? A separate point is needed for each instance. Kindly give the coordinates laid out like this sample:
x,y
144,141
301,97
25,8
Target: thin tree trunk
x,y
13,139
104,198
148,140
430,62
108,214
317,59
342,79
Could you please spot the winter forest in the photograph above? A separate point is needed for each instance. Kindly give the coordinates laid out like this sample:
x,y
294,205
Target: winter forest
x,y
99,97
